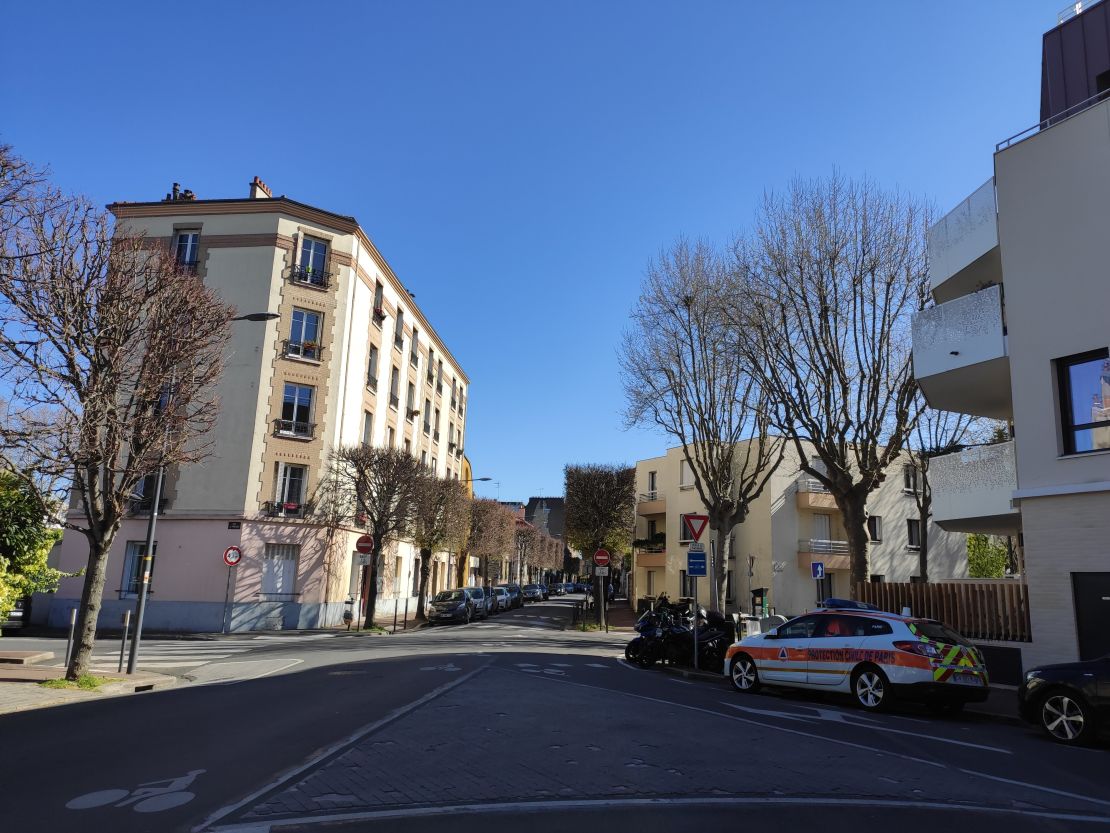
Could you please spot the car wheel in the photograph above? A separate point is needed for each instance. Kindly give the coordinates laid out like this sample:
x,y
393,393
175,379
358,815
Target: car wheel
x,y
744,675
1066,718
871,688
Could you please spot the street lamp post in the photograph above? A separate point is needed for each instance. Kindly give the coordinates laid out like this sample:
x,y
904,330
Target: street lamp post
x,y
148,550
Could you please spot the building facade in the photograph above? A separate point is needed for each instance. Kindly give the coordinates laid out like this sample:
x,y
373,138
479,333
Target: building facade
x,y
793,524
351,359
1019,332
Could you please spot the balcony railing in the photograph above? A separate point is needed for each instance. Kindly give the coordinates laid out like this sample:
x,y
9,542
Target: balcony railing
x,y
372,382
439,388
277,509
812,485
187,267
310,277
398,342
427,429
394,401
435,436
822,546
142,507
429,378
652,495
414,359
379,315
973,489
303,349
294,428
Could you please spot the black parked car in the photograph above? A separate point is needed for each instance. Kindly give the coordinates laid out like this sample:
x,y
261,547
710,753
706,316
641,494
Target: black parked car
x,y
451,606
516,595
1070,701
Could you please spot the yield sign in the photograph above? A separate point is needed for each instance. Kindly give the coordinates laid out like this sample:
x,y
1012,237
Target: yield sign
x,y
694,526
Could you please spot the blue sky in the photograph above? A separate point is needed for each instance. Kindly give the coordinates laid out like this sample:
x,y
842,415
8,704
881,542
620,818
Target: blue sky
x,y
518,163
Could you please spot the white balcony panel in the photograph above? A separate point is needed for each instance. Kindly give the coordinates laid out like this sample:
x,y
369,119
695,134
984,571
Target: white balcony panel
x,y
960,357
973,490
963,246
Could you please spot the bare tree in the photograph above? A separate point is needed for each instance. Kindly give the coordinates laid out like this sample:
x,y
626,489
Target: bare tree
x,y
440,513
379,486
683,372
936,433
110,354
527,541
491,533
825,288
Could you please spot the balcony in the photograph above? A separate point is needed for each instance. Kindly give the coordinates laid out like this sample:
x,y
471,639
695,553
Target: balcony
x,y
308,350
277,509
646,558
960,356
963,246
294,429
833,554
973,489
812,494
307,276
142,506
651,503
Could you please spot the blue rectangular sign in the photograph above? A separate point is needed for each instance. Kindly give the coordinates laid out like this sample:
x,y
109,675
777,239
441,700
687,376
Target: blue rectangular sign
x,y
695,564
818,569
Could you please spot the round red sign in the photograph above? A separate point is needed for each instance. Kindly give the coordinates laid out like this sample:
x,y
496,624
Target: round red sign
x,y
232,556
365,544
601,558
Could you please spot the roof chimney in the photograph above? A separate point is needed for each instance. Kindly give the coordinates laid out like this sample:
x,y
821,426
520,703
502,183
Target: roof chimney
x,y
260,190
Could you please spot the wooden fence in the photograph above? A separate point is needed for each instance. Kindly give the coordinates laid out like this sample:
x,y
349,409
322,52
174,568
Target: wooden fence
x,y
979,610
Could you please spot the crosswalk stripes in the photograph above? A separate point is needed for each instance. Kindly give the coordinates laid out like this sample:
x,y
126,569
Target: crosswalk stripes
x,y
158,655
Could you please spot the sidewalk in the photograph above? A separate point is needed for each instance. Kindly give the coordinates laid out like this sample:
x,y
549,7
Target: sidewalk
x,y
19,689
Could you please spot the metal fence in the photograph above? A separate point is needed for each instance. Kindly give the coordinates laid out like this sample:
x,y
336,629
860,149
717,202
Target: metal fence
x,y
986,609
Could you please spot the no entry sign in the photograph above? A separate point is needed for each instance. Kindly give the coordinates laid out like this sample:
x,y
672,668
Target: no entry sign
x,y
232,556
365,544
601,558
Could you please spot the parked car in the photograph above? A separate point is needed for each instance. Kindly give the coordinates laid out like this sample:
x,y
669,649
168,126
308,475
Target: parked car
x,y
570,587
516,595
18,616
558,589
582,587
858,649
480,601
451,606
546,591
533,593
1070,701
501,599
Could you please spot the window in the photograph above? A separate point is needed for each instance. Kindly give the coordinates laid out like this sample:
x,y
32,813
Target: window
x,y
186,249
395,388
909,478
291,483
652,526
372,368
296,411
454,387
379,310
799,629
431,363
367,428
875,527
314,256
279,571
131,581
398,569
408,446
439,376
684,584
410,402
392,437
651,485
435,427
304,335
427,417
651,582
451,433
728,587
1084,383
913,533
685,475
424,459
399,331
144,492
877,579
414,348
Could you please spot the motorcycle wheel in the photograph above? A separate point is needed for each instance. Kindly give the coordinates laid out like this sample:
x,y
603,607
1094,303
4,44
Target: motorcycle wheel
x,y
632,651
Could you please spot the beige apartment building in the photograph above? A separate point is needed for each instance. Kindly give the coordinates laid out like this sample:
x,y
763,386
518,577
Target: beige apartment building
x,y
793,524
1020,332
350,360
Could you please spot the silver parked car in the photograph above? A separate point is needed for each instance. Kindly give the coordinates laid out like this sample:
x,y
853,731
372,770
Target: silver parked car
x,y
480,601
501,599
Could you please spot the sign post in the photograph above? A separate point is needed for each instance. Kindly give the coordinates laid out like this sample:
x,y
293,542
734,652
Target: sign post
x,y
232,556
695,567
601,560
364,546
817,568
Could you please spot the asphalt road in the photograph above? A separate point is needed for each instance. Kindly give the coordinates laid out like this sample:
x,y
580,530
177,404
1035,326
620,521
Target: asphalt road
x,y
470,728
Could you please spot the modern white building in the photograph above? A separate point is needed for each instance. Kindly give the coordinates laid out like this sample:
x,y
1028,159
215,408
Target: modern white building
x,y
1020,332
350,360
793,524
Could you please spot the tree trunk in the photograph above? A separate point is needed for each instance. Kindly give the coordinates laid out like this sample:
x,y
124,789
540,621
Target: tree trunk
x,y
923,553
422,596
718,575
462,572
372,584
89,611
853,507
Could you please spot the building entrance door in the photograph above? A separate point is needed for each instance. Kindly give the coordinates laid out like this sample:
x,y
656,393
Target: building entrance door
x,y
1092,613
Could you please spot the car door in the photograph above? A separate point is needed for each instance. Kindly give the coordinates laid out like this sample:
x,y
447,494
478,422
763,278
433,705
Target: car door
x,y
785,662
832,651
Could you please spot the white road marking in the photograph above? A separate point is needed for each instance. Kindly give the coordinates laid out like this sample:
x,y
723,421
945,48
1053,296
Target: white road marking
x,y
860,722
596,665
562,665
448,667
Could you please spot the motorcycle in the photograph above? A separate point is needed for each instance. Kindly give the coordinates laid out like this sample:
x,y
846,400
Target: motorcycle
x,y
711,638
647,648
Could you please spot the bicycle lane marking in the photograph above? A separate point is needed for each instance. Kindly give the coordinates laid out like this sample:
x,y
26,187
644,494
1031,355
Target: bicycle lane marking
x,y
145,798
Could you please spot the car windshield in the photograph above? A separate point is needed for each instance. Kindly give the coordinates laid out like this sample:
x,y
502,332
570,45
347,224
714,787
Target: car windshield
x,y
531,587
939,633
450,596
476,592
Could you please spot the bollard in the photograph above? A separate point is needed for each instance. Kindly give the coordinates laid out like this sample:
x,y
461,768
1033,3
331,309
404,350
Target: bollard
x,y
123,642
405,626
396,604
69,642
